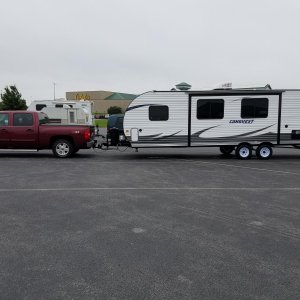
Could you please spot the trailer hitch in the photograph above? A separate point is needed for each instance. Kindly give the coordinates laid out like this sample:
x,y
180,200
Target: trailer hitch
x,y
103,143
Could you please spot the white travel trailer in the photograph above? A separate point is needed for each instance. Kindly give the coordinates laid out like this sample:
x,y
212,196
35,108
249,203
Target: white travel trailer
x,y
65,112
242,120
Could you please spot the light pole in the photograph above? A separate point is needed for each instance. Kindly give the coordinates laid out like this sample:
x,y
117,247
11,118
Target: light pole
x,y
54,84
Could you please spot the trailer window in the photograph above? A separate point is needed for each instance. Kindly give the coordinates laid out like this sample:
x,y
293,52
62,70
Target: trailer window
x,y
210,109
72,117
39,107
254,108
158,113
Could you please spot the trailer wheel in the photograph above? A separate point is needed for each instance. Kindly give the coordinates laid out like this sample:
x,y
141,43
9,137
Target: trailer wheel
x,y
226,150
243,151
264,151
62,148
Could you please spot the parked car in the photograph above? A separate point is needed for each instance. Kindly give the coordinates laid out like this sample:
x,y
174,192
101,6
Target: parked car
x,y
25,130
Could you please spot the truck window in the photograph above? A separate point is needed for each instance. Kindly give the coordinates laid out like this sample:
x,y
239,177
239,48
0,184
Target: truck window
x,y
210,109
43,118
254,108
158,113
3,119
21,119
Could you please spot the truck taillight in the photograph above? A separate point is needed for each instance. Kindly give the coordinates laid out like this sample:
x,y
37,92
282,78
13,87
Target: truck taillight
x,y
87,135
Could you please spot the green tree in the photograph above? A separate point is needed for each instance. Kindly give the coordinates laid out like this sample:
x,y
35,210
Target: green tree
x,y
12,99
114,110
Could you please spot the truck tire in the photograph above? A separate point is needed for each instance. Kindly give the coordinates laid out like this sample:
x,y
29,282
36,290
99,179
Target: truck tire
x,y
243,151
226,150
264,151
62,148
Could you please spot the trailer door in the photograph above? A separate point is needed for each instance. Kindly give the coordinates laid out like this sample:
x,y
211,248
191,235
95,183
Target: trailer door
x,y
290,118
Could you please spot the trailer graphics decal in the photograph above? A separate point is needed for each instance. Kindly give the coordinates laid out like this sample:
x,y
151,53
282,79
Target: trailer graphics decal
x,y
138,106
247,136
167,136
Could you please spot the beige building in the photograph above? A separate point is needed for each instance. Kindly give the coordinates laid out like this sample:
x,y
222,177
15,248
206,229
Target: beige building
x,y
102,99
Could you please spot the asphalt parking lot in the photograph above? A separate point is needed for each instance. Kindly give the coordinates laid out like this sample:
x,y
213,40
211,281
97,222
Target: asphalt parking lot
x,y
157,224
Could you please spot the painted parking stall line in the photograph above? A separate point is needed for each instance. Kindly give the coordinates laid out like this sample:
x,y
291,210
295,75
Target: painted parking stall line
x,y
152,189
244,167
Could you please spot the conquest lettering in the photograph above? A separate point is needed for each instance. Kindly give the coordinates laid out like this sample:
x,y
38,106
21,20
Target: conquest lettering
x,y
241,121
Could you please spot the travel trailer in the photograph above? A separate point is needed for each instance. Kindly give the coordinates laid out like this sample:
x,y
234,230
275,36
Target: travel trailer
x,y
240,120
65,112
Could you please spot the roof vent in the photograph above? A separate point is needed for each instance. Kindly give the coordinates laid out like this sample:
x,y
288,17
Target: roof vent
x,y
183,86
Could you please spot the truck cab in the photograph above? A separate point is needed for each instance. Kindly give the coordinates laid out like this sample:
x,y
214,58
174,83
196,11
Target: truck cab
x,y
25,130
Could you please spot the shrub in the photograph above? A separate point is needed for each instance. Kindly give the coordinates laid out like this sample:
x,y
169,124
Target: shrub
x,y
114,110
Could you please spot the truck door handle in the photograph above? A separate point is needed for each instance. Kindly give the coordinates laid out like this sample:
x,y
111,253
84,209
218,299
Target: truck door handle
x,y
29,130
4,130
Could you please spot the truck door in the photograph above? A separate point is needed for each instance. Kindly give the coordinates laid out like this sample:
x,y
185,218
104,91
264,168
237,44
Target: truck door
x,y
4,131
23,132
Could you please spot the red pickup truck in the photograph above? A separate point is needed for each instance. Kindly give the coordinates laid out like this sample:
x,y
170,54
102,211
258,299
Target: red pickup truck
x,y
25,130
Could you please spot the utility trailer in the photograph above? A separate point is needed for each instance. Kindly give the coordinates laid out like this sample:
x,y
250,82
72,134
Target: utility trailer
x,y
240,120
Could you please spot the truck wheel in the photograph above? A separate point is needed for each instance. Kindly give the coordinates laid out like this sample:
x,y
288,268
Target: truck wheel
x,y
226,150
264,151
243,151
62,148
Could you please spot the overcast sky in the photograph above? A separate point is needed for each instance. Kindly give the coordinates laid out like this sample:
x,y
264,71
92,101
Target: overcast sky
x,y
139,45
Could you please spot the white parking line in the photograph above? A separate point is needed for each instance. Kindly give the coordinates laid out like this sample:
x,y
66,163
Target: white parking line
x,y
153,189
172,160
243,167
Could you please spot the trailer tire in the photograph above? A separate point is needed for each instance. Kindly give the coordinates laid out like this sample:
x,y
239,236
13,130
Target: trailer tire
x,y
226,150
62,148
243,151
264,151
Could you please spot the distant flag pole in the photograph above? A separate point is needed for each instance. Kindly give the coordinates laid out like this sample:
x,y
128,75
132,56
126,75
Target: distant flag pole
x,y
54,84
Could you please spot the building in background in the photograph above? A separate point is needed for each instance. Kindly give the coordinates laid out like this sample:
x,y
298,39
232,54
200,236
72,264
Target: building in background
x,y
102,99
